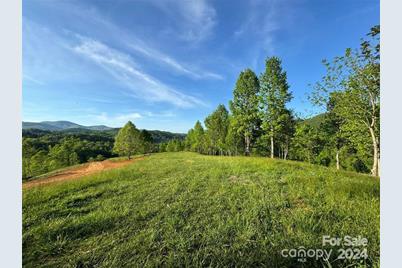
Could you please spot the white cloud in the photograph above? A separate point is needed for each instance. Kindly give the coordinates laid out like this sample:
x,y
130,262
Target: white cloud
x,y
171,62
119,120
126,71
265,19
195,19
113,120
28,78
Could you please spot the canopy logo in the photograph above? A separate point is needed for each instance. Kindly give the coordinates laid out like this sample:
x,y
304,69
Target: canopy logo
x,y
302,253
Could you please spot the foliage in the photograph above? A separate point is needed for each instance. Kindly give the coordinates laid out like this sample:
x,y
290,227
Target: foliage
x,y
273,96
244,107
48,151
352,83
175,146
195,140
128,141
217,125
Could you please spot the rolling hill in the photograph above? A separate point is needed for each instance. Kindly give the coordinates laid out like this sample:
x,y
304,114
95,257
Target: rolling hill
x,y
315,121
32,129
60,125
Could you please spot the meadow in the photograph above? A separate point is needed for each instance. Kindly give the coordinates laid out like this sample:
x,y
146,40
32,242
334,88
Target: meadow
x,y
186,209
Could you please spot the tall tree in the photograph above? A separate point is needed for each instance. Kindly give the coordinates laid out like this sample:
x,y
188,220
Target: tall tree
x,y
217,125
330,128
128,141
198,145
356,75
288,124
234,142
244,106
305,143
147,141
274,94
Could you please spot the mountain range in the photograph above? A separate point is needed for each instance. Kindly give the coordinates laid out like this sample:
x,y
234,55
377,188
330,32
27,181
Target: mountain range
x,y
60,126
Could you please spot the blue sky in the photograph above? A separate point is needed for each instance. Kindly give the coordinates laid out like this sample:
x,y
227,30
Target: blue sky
x,y
164,64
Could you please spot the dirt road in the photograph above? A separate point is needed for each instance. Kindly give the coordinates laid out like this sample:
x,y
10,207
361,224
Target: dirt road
x,y
79,172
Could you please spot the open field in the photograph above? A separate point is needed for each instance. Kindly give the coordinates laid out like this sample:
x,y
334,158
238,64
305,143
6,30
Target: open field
x,y
185,209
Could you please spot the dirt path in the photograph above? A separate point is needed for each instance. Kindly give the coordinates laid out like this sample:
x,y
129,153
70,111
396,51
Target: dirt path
x,y
79,172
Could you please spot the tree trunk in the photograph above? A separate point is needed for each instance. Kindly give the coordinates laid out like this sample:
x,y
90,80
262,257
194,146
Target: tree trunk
x,y
285,154
247,140
376,155
272,145
286,149
337,159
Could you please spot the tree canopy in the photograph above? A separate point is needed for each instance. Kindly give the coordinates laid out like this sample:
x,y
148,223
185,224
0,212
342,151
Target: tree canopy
x,y
128,141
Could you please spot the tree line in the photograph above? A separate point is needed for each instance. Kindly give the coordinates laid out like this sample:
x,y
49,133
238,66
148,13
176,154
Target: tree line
x,y
259,122
45,151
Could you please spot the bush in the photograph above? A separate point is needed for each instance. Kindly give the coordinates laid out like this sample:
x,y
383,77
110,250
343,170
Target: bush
x,y
100,157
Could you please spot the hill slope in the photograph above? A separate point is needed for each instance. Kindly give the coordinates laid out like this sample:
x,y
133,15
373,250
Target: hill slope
x,y
60,125
185,209
315,121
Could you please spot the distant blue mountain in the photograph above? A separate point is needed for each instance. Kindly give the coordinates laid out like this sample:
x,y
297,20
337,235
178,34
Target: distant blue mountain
x,y
60,126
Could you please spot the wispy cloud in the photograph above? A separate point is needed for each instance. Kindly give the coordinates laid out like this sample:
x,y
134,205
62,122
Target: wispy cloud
x,y
265,19
120,119
171,62
117,120
126,71
195,19
28,78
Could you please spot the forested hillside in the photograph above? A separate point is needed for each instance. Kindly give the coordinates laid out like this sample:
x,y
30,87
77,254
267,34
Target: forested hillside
x,y
44,151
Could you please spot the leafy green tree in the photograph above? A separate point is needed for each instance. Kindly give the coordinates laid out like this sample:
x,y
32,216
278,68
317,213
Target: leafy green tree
x,y
63,154
356,76
234,141
305,143
217,125
244,106
174,145
286,134
331,130
38,163
162,147
28,151
146,137
189,140
170,147
128,141
199,133
274,94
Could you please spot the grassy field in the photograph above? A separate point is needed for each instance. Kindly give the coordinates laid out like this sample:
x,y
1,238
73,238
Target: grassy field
x,y
185,209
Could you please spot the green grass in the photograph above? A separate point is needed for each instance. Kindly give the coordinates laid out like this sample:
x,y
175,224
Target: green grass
x,y
185,209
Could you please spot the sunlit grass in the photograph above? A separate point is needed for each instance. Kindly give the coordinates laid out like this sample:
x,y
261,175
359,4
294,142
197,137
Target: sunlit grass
x,y
185,209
